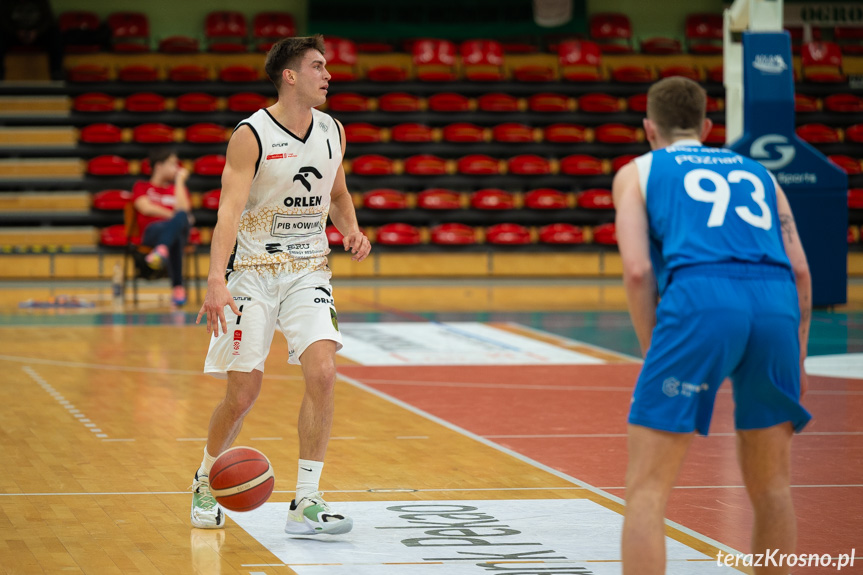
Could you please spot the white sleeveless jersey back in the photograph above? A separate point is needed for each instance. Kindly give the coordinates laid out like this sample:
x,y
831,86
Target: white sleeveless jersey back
x,y
282,226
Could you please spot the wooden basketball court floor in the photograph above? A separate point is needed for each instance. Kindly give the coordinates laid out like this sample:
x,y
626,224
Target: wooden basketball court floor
x,y
489,441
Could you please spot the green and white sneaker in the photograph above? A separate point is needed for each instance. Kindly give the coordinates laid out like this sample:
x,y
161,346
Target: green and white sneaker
x,y
206,513
313,516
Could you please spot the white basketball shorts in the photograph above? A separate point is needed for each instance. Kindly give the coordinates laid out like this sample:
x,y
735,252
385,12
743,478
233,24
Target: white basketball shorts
x,y
301,308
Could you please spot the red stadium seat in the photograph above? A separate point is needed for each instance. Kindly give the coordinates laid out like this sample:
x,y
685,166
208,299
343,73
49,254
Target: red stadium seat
x,y
94,102
113,236
362,133
210,200
854,133
246,102
605,234
508,234
534,73
138,73
79,30
561,234
716,136
549,102
661,46
179,45
206,133
844,103
412,133
797,36
188,73
597,103
385,199
715,74
704,33
633,74
101,134
270,27
209,165
804,104
87,73
130,31
482,60
545,199
478,165
372,165
621,161
580,61
566,134
399,102
449,102
822,63
153,134
111,200
637,103
463,133
690,72
496,102
145,102
453,235
386,73
348,102
146,169
341,59
855,199
398,235
492,199
439,199
434,60
197,102
612,31
529,165
513,133
225,31
618,134
595,199
334,236
238,73
582,165
425,165
714,104
108,166
848,164
850,39
818,134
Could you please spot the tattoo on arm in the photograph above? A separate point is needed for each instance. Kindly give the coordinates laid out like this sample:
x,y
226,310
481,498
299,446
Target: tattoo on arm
x,y
786,222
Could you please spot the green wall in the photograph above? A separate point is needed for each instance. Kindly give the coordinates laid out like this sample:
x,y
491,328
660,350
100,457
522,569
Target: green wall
x,y
185,18
662,18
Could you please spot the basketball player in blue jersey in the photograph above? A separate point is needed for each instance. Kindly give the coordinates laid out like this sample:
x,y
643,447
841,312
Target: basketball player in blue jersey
x,y
710,233
283,177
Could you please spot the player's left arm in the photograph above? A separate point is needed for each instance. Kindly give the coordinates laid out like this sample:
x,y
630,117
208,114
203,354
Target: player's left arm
x,y
343,214
634,243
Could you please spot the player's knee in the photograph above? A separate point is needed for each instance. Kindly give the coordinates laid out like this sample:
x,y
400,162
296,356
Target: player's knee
x,y
769,499
240,402
321,379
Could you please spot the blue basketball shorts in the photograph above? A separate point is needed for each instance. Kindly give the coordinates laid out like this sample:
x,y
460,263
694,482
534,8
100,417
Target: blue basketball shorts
x,y
737,321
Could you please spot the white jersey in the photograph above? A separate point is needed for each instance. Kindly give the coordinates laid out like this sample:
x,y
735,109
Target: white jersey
x,y
282,226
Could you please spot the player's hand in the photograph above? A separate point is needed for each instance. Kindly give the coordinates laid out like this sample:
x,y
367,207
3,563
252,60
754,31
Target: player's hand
x,y
182,175
215,301
358,244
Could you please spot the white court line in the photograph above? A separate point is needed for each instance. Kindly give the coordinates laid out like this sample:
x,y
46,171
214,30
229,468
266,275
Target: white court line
x,y
526,459
63,401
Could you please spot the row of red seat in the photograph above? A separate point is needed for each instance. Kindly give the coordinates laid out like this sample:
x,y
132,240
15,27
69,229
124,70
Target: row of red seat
x,y
150,102
225,31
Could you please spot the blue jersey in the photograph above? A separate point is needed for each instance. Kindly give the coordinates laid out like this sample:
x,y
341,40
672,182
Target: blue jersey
x,y
706,206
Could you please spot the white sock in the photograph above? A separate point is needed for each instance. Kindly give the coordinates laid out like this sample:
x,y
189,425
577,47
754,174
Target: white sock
x,y
206,464
308,477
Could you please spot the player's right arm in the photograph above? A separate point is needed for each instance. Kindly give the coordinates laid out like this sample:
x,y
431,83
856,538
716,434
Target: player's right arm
x,y
802,277
241,157
633,240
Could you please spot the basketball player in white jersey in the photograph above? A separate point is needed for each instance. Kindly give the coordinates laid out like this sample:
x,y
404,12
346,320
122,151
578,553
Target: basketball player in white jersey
x,y
282,178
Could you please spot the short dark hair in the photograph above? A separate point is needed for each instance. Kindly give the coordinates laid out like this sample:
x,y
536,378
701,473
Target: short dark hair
x,y
160,154
287,52
676,104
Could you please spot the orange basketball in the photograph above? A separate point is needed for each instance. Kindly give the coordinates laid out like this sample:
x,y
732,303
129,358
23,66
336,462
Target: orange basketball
x,y
241,479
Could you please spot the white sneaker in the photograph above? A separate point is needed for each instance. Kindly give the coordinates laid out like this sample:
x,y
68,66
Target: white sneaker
x,y
206,513
313,516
